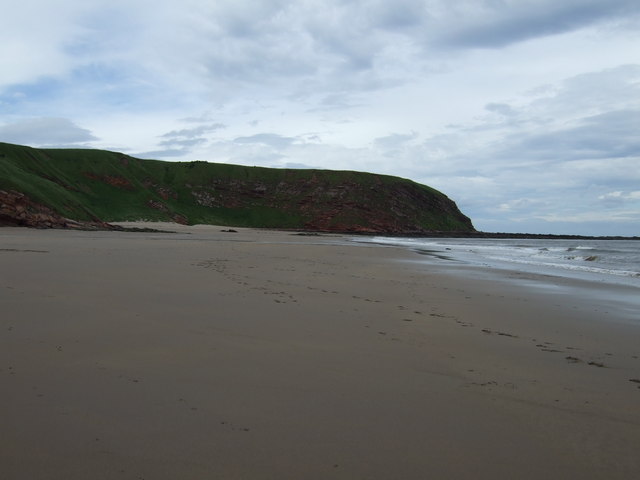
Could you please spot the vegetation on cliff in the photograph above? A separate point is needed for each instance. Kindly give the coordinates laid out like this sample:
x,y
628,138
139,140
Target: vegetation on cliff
x,y
63,186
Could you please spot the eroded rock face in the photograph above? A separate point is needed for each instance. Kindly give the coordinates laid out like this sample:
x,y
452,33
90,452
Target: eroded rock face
x,y
117,181
348,207
18,210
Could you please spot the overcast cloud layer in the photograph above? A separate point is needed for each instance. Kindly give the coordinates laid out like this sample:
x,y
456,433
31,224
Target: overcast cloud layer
x,y
525,112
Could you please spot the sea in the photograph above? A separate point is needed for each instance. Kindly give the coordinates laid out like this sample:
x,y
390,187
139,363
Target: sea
x,y
605,273
608,261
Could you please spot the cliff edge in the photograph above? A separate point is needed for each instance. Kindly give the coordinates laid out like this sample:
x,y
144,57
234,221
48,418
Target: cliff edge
x,y
77,188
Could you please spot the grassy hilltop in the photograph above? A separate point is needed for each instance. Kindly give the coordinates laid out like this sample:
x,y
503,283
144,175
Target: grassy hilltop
x,y
102,186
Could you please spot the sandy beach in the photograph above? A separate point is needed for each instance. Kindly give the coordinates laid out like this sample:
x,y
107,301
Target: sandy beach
x,y
205,354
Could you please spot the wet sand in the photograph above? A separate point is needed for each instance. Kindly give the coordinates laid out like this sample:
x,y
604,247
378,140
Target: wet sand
x,y
267,355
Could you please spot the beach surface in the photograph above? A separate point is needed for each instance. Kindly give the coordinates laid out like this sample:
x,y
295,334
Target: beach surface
x,y
208,354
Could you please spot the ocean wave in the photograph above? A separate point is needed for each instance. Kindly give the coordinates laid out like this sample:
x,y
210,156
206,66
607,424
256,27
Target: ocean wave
x,y
589,258
569,266
613,259
580,247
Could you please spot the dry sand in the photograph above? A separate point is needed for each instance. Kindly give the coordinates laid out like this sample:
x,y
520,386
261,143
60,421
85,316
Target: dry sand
x,y
266,355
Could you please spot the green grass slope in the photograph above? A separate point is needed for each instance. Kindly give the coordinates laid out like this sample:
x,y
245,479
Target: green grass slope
x,y
88,185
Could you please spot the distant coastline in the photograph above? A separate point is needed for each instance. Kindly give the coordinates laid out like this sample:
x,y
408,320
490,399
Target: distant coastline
x,y
543,236
501,235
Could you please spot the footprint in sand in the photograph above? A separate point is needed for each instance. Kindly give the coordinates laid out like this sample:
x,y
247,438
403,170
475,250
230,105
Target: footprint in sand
x,y
546,349
235,428
464,324
502,334
593,363
597,364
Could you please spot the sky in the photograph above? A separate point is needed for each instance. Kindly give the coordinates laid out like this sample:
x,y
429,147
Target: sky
x,y
526,113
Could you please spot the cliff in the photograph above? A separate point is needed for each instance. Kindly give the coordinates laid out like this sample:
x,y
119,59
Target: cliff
x,y
69,188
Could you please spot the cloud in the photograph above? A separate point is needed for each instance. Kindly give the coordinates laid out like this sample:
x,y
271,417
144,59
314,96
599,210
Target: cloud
x,y
501,109
195,132
520,204
620,216
270,139
188,137
591,116
39,53
185,143
607,135
45,132
619,198
490,24
596,91
396,144
180,142
197,46
395,140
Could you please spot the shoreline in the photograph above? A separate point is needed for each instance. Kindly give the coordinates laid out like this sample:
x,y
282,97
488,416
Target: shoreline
x,y
266,354
504,235
618,301
535,259
147,226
